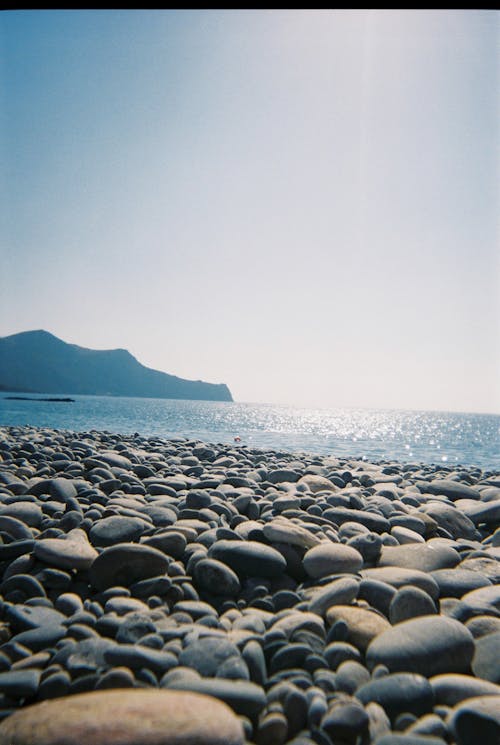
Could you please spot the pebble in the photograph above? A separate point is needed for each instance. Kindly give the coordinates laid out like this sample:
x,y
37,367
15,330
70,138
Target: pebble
x,y
476,720
363,624
399,692
485,662
313,598
74,551
249,558
125,717
125,564
331,558
428,645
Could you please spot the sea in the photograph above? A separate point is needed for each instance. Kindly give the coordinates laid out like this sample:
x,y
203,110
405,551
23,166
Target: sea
x,y
431,437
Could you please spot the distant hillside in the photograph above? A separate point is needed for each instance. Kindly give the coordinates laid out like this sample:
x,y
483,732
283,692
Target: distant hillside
x,y
39,362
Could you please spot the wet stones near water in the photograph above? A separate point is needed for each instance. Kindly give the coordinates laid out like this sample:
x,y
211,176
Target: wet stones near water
x,y
320,599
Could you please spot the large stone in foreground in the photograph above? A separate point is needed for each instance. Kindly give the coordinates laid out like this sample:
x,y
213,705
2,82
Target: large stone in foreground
x,y
125,717
476,720
125,564
428,645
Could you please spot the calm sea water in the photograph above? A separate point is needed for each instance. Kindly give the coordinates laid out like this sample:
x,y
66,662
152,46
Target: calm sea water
x,y
408,436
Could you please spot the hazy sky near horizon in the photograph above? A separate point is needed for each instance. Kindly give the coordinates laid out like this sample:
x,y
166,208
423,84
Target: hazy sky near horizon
x,y
302,203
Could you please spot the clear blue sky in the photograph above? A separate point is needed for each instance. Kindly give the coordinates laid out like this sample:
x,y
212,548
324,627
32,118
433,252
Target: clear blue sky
x,y
302,204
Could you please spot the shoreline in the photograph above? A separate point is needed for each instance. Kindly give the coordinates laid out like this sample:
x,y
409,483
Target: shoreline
x,y
306,592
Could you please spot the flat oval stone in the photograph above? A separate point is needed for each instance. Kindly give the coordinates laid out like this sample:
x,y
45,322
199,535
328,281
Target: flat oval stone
x,y
72,552
215,577
245,698
28,513
19,683
248,558
170,542
428,645
410,602
211,654
452,489
116,529
317,483
452,688
476,720
485,663
363,624
400,576
398,693
331,558
375,523
341,591
125,717
454,583
286,531
126,563
426,557
484,595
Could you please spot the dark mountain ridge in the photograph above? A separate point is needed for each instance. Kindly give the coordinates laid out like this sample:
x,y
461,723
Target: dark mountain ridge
x,y
39,362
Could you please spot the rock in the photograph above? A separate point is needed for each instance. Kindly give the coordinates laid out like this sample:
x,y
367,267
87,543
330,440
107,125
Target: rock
x,y
345,721
125,717
426,557
452,489
398,693
369,546
451,689
489,595
485,662
476,720
454,583
317,483
428,645
19,684
25,617
217,578
480,512
72,552
400,576
350,676
363,624
245,698
209,656
28,513
125,564
410,602
138,656
341,591
452,520
331,558
170,542
282,530
116,529
248,558
372,521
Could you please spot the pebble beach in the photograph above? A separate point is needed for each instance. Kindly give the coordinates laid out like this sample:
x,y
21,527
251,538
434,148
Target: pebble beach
x,y
172,592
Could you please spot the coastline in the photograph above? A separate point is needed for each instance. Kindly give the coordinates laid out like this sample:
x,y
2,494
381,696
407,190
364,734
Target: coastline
x,y
288,585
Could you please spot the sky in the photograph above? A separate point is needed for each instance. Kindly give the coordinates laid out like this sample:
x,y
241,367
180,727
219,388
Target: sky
x,y
303,204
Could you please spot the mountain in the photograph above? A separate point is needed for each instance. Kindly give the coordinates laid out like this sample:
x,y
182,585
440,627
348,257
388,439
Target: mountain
x,y
39,362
